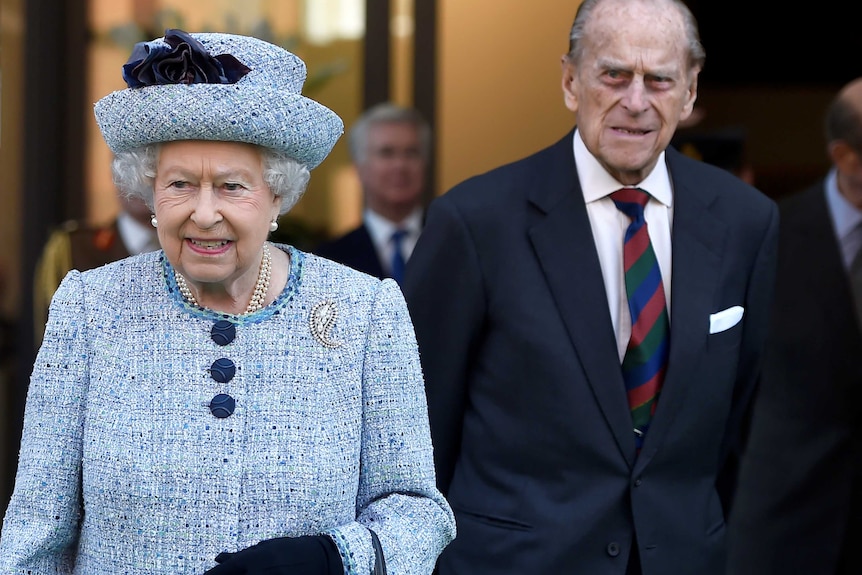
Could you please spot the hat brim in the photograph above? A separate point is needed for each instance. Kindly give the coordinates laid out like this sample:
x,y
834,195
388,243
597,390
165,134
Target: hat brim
x,y
265,107
287,122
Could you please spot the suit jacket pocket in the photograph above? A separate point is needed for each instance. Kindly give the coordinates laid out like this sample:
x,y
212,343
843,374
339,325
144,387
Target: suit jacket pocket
x,y
493,521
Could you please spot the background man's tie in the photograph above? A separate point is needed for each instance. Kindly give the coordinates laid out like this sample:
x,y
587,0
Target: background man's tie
x,y
398,262
645,359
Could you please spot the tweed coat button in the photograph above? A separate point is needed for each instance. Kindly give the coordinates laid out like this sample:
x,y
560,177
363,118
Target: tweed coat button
x,y
613,549
223,332
222,370
222,405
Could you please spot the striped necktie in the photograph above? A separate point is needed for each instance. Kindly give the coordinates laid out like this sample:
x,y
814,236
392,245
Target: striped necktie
x,y
398,262
645,360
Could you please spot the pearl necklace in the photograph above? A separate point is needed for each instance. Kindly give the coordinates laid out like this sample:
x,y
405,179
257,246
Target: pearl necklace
x,y
258,296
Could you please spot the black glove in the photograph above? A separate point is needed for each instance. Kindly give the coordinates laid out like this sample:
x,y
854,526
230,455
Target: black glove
x,y
307,555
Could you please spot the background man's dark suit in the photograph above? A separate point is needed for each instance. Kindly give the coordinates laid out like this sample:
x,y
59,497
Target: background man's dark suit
x,y
800,500
536,453
354,249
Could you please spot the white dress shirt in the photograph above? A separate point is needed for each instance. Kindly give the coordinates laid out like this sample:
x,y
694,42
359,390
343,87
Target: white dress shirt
x,y
609,226
380,229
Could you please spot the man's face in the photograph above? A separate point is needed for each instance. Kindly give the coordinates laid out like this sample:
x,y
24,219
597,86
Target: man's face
x,y
849,163
393,169
846,155
632,85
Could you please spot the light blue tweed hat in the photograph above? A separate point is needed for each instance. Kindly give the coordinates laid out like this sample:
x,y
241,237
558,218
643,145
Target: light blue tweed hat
x,y
221,87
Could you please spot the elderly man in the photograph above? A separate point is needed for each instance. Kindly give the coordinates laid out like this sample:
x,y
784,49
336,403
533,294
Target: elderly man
x,y
590,321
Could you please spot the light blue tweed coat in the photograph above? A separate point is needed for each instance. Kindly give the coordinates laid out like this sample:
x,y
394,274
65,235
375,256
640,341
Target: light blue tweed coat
x,y
124,470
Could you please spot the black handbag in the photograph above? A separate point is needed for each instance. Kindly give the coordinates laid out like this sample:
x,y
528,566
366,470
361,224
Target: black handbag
x,y
379,561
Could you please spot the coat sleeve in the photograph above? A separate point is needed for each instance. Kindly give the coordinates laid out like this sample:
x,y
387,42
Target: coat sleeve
x,y
54,262
40,528
397,498
446,298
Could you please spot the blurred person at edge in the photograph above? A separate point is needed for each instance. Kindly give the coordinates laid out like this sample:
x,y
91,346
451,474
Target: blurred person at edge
x,y
799,502
223,405
76,245
574,430
390,146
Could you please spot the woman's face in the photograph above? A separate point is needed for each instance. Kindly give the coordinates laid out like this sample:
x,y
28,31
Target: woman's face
x,y
214,210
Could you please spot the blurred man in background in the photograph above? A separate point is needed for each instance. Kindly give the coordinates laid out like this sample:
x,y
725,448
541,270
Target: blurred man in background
x,y
78,245
799,500
390,146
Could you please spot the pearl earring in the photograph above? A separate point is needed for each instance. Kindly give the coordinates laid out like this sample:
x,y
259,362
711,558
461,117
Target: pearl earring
x,y
273,225
154,221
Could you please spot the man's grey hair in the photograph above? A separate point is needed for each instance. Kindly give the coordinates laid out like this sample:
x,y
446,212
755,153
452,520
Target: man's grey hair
x,y
134,173
696,53
387,113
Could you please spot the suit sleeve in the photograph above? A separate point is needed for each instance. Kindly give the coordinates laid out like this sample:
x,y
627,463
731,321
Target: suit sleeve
x,y
54,262
446,298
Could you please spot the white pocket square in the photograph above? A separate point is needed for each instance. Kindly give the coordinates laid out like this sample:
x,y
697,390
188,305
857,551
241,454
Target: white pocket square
x,y
725,319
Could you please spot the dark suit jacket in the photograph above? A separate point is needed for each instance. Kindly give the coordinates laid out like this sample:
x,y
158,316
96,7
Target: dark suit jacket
x,y
531,427
354,249
799,506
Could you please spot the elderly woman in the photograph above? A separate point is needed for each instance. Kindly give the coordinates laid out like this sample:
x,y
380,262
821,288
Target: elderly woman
x,y
223,405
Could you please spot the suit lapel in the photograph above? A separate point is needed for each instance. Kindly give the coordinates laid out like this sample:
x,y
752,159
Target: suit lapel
x,y
697,240
563,241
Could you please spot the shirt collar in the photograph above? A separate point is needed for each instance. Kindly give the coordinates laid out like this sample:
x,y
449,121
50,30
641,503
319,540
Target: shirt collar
x,y
137,237
845,215
381,229
596,182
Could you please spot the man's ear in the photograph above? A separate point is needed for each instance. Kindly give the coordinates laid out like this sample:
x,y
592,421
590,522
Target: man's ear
x,y
691,96
569,83
845,158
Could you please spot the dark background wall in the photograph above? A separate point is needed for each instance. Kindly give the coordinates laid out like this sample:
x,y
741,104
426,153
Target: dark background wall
x,y
771,71
751,43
